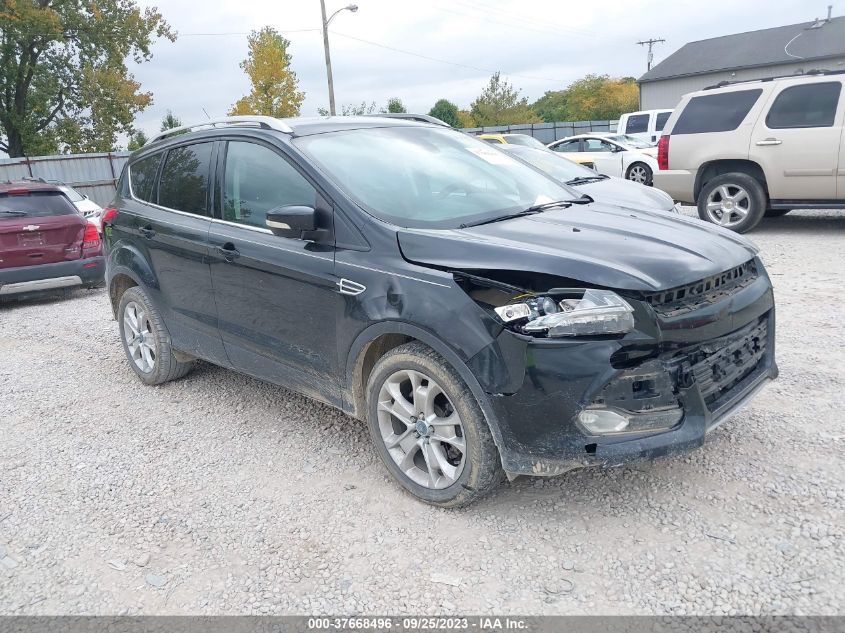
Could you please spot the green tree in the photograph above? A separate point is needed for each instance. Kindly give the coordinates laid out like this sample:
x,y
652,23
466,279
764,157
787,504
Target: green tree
x,y
274,85
137,140
447,112
350,109
465,119
64,83
594,97
394,104
170,121
500,104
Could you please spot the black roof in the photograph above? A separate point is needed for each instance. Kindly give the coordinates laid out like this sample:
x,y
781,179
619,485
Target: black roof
x,y
754,49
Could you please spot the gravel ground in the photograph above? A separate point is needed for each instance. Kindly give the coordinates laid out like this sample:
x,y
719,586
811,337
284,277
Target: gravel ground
x,y
222,494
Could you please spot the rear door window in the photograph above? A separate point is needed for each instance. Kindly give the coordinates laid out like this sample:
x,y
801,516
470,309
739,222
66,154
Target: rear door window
x,y
660,121
35,204
721,112
183,185
142,175
808,105
637,124
257,180
568,146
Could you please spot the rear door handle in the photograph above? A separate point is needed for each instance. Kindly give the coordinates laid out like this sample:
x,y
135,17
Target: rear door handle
x,y
770,141
148,232
228,251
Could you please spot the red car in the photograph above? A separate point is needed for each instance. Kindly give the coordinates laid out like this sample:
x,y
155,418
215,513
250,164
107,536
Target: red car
x,y
44,241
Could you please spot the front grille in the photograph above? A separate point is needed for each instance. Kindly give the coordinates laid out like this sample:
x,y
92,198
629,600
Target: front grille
x,y
718,366
678,301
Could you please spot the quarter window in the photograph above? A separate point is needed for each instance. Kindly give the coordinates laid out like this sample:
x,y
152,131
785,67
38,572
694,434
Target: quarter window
x,y
142,177
184,179
258,180
637,124
809,105
721,112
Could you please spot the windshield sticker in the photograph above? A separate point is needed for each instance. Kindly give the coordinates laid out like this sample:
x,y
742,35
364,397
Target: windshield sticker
x,y
492,156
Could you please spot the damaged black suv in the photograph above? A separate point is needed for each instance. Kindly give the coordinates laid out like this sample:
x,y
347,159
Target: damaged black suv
x,y
481,317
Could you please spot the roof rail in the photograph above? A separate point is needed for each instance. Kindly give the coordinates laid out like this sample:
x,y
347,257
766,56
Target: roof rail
x,y
422,118
810,73
265,122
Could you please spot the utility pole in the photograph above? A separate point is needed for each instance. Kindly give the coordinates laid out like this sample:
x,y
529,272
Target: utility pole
x,y
328,58
353,8
650,42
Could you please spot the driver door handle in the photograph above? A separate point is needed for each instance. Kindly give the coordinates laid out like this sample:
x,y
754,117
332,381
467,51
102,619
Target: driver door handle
x,y
228,251
770,141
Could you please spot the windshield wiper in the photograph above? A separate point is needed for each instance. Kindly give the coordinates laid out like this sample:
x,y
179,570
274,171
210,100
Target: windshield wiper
x,y
537,208
585,179
17,213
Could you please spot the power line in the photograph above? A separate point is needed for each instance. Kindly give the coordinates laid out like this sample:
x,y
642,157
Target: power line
x,y
556,28
442,61
650,42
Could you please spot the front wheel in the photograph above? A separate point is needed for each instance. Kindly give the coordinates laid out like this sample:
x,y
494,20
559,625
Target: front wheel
x,y
428,429
641,173
735,201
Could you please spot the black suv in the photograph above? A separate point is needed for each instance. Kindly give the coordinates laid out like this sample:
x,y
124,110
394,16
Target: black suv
x,y
478,315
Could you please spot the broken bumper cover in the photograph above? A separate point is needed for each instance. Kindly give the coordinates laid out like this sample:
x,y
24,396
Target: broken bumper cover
x,y
710,373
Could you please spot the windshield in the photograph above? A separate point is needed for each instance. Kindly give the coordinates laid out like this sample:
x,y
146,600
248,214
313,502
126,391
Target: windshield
x,y
554,165
631,141
524,139
429,177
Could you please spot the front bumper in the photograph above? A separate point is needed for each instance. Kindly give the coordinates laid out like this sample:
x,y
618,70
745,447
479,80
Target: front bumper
x,y
678,183
30,279
536,416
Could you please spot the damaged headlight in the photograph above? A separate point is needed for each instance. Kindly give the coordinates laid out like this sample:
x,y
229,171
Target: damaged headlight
x,y
597,312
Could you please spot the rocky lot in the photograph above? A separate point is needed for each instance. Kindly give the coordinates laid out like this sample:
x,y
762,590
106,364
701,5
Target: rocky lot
x,y
222,494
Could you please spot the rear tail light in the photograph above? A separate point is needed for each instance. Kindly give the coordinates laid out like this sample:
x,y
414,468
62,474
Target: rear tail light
x,y
91,239
663,152
109,214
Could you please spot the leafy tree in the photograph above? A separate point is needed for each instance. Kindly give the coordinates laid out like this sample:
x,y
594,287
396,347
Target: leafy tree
x,y
500,104
447,112
350,109
137,140
169,121
63,76
274,85
595,97
394,104
465,119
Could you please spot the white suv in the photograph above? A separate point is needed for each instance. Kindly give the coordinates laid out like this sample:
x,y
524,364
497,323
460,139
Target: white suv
x,y
746,150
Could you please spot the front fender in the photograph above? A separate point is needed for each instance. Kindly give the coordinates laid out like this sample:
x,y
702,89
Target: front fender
x,y
354,396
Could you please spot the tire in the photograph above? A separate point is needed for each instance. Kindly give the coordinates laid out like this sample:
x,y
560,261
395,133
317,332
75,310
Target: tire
x,y
468,465
747,200
777,213
155,363
641,173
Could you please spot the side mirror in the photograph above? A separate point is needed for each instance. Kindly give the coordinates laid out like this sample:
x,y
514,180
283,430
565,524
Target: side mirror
x,y
292,220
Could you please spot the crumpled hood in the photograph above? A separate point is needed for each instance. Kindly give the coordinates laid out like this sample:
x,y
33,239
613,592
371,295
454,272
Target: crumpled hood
x,y
633,195
594,243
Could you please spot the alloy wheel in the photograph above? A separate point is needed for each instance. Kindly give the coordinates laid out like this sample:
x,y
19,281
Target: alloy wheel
x,y
140,340
728,205
639,174
421,429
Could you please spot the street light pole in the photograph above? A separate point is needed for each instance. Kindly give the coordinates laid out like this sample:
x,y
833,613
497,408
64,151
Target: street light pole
x,y
353,8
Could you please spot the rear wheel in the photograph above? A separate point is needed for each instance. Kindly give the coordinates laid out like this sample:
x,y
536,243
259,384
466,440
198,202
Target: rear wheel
x,y
735,201
146,341
640,172
428,429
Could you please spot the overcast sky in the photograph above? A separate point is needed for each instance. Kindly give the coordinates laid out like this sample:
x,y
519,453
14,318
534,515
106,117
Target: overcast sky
x,y
538,45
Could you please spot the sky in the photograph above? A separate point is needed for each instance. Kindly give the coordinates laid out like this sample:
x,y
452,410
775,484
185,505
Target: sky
x,y
538,45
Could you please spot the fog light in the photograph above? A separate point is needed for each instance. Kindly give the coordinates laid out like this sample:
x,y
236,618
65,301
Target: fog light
x,y
609,421
601,421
